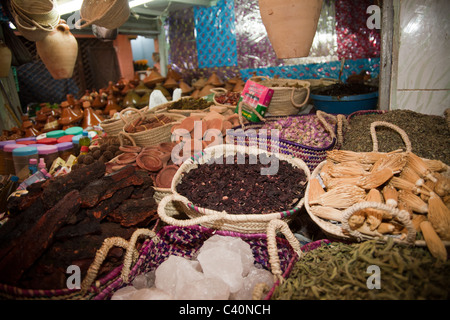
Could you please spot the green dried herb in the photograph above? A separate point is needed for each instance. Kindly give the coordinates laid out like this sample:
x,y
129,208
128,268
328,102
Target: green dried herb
x,y
190,104
340,271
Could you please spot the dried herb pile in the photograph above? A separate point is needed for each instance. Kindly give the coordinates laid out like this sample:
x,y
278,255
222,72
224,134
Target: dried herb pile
x,y
344,89
429,134
241,188
190,104
339,271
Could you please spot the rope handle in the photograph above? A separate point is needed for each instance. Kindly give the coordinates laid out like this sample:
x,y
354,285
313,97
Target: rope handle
x,y
122,116
401,215
78,24
131,255
299,105
241,119
254,78
400,131
340,119
274,260
123,134
218,90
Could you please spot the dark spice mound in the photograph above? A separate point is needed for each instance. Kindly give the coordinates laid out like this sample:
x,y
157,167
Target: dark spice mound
x,y
241,188
344,89
429,134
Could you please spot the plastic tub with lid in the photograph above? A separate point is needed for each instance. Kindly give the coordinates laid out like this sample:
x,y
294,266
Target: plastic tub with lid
x,y
21,158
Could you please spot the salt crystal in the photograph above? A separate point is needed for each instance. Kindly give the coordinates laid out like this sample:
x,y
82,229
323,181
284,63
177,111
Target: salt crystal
x,y
223,264
140,281
235,244
150,294
204,289
173,273
124,293
255,276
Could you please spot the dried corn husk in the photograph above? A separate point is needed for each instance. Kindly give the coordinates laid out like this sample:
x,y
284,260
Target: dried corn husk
x,y
411,175
327,213
375,179
343,169
435,165
417,219
357,219
386,227
374,216
434,243
419,165
365,229
439,216
347,155
403,206
331,183
395,162
442,186
390,195
413,201
315,189
341,197
403,184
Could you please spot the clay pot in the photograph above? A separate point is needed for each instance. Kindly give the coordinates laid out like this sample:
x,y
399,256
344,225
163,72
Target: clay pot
x,y
141,88
67,115
149,162
215,80
126,158
164,91
131,99
173,74
165,176
206,90
90,118
5,60
130,149
58,51
144,100
185,88
99,102
153,78
291,25
200,83
111,105
170,83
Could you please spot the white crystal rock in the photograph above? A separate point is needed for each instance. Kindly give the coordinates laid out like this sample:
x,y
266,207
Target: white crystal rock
x,y
124,293
150,294
234,244
176,271
255,276
204,289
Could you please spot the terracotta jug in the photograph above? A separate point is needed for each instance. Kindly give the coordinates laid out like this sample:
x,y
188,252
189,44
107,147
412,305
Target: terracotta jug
x,y
58,51
5,60
291,25
90,118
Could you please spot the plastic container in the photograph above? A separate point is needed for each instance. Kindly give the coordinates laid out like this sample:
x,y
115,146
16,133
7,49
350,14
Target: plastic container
x,y
49,153
66,138
74,131
21,158
76,144
2,155
65,150
9,162
26,142
346,104
48,141
33,166
26,139
56,134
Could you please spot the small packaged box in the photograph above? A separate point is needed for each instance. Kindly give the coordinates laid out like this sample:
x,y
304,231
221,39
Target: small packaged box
x,y
256,96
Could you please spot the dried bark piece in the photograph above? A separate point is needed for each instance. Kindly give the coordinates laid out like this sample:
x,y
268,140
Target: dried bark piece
x,y
135,212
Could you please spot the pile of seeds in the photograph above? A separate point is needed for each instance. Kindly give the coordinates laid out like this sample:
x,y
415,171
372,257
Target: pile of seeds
x,y
341,271
429,135
238,187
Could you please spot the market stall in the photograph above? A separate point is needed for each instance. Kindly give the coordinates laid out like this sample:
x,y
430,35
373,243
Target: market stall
x,y
242,164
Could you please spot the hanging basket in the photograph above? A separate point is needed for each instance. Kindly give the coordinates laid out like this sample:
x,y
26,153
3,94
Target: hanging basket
x,y
244,223
109,14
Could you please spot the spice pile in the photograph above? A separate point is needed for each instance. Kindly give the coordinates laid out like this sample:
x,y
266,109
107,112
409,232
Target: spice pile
x,y
63,221
236,185
429,135
190,104
229,98
340,271
399,179
305,130
344,89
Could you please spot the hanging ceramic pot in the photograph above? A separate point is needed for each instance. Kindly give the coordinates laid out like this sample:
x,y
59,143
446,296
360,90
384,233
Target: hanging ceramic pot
x,y
5,60
58,51
291,25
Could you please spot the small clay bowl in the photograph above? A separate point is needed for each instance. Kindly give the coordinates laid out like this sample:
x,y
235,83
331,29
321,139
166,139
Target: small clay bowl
x,y
132,149
126,158
166,146
149,162
165,176
188,124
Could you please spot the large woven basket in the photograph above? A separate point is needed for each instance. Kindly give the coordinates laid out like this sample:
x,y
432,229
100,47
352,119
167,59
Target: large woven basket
x,y
310,155
286,100
244,223
154,136
112,127
341,230
109,14
270,251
